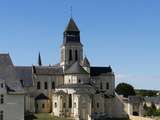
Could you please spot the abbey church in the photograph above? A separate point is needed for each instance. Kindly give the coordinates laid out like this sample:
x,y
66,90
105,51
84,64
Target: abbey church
x,y
72,88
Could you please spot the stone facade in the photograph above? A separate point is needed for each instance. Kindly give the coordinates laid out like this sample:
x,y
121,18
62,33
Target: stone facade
x,y
11,91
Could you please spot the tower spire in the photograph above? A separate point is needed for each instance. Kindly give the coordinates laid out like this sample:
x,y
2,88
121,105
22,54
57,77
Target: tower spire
x,y
39,59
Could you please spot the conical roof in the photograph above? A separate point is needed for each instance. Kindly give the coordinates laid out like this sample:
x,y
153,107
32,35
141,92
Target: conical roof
x,y
72,26
39,59
76,68
86,62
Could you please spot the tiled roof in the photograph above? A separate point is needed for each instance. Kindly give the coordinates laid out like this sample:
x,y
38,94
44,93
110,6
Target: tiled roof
x,y
75,68
8,74
96,71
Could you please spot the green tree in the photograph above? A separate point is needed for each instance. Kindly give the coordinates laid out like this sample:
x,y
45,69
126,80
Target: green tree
x,y
125,89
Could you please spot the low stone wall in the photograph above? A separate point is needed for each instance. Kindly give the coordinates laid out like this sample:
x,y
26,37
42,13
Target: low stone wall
x,y
139,118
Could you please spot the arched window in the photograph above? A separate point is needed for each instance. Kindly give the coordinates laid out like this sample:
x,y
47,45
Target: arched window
x,y
55,105
70,101
1,115
38,85
2,99
74,104
97,105
53,85
76,55
70,55
45,85
107,85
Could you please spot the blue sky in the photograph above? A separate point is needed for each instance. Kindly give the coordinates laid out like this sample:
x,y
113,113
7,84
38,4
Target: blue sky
x,y
122,33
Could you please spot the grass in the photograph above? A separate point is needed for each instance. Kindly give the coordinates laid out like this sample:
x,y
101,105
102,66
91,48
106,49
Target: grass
x,y
44,116
48,116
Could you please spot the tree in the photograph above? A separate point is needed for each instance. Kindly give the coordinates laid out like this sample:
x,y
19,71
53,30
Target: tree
x,y
125,89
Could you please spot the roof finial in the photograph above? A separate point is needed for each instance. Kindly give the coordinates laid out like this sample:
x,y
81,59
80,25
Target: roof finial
x,y
71,11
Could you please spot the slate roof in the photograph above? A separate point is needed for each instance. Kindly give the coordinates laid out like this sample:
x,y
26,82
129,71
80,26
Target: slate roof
x,y
25,74
75,68
47,70
96,71
8,74
86,62
72,26
41,97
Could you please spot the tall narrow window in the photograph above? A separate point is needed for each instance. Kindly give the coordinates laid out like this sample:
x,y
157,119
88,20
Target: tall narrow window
x,y
70,55
76,55
2,99
1,115
1,85
70,101
55,105
53,85
107,85
64,105
45,85
101,86
74,104
38,85
43,105
97,105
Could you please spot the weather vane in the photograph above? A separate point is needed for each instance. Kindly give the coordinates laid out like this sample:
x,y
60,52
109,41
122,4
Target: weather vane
x,y
71,11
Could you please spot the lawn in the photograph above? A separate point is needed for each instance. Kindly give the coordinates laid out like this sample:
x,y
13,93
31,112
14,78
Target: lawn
x,y
44,116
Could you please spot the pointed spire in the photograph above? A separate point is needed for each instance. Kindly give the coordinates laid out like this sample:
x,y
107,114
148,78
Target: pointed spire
x,y
86,62
72,26
39,59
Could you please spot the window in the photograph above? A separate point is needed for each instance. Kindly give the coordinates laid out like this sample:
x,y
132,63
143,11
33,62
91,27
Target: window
x,y
70,101
76,55
107,85
53,85
37,105
1,85
2,99
70,55
55,105
101,86
38,85
97,105
1,115
43,105
79,81
45,85
64,105
74,104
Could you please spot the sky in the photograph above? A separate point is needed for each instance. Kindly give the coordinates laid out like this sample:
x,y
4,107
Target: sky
x,y
122,33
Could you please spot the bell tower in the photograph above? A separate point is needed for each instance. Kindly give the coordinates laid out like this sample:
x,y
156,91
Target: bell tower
x,y
71,49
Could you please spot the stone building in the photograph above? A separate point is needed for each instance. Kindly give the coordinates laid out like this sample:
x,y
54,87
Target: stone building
x,y
72,88
11,91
